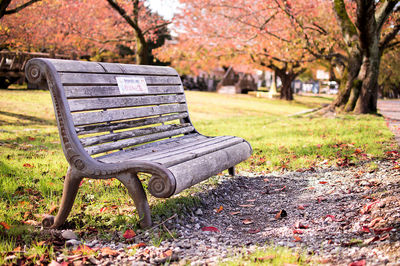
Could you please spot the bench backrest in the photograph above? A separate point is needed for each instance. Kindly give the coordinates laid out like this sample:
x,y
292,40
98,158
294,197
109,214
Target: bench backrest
x,y
118,106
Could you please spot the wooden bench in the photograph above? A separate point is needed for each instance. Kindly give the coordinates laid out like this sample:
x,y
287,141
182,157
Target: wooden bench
x,y
118,120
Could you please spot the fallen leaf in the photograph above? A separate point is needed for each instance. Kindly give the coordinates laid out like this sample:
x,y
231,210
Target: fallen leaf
x,y
299,225
311,188
17,249
370,240
357,151
251,200
365,229
108,251
332,217
266,180
301,207
358,263
320,199
367,208
41,243
296,231
247,205
253,231
129,233
5,225
384,237
219,209
330,191
281,214
31,222
247,221
82,249
379,231
281,189
167,253
103,209
27,165
53,209
297,238
234,213
31,138
139,245
210,229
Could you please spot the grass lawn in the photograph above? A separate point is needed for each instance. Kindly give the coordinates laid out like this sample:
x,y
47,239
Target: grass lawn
x,y
32,164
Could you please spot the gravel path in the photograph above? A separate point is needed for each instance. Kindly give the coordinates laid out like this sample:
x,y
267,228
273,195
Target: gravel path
x,y
341,215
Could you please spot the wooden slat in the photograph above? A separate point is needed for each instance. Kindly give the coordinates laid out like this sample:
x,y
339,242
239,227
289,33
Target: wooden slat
x,y
83,130
111,91
194,153
105,79
135,141
89,141
96,67
161,145
120,102
125,114
188,147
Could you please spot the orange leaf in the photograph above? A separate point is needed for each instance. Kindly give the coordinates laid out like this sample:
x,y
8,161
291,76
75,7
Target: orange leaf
x,y
234,213
53,209
17,249
247,205
210,229
219,209
358,263
27,165
300,207
5,225
82,249
109,251
139,245
323,182
167,253
253,231
40,243
247,221
31,222
269,257
297,238
129,234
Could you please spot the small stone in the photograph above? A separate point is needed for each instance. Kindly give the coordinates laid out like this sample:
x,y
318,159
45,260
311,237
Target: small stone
x,y
72,242
68,235
198,212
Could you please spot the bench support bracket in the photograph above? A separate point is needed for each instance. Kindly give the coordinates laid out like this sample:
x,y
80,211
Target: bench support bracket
x,y
232,171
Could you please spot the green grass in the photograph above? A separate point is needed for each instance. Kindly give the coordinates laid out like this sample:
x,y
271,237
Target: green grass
x,y
32,165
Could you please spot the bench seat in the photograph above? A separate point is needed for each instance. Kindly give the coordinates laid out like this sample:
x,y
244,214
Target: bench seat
x,y
120,120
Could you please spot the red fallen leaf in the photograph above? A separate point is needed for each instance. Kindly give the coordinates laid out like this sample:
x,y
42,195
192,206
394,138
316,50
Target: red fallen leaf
x,y
281,189
295,231
82,249
129,233
82,182
320,199
297,238
210,229
365,229
247,205
266,180
330,241
234,213
301,207
266,258
247,221
368,207
384,237
333,218
357,151
318,145
311,188
31,138
253,231
251,200
110,252
219,209
27,165
358,263
323,182
299,225
5,225
382,230
139,245
103,209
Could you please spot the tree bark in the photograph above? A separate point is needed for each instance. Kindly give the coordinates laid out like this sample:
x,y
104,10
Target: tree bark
x,y
287,77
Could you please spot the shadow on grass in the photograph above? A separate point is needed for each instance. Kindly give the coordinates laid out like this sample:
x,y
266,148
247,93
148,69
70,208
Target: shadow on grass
x,y
32,119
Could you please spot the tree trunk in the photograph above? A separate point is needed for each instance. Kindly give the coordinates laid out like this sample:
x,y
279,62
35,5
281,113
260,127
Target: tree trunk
x,y
142,52
286,77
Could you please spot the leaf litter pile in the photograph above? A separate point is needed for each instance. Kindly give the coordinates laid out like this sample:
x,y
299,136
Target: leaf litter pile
x,y
338,215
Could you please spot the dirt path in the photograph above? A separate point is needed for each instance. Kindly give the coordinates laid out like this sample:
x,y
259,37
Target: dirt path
x,y
390,109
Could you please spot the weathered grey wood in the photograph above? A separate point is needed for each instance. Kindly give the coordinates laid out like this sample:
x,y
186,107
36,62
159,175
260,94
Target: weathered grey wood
x,y
135,141
124,114
84,130
89,141
112,91
149,148
184,148
120,102
99,67
190,154
110,79
194,171
123,135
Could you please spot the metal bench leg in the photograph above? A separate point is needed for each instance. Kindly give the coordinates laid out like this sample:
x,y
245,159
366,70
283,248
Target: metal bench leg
x,y
71,186
231,171
135,189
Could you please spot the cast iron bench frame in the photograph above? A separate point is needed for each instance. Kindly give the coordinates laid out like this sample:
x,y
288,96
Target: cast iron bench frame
x,y
130,129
